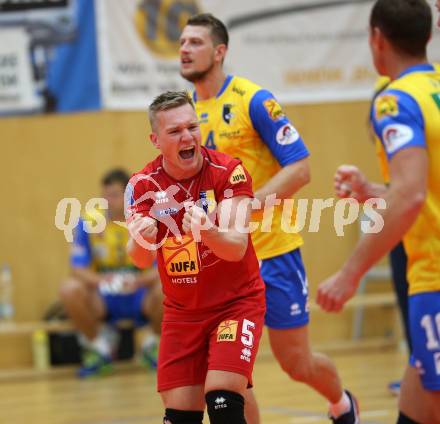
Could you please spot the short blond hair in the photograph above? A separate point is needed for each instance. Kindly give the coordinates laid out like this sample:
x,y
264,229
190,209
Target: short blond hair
x,y
166,101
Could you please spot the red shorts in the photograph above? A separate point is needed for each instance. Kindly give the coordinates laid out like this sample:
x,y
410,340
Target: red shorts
x,y
226,340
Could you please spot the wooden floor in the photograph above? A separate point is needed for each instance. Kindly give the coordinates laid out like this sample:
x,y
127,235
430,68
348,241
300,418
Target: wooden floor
x,y
129,397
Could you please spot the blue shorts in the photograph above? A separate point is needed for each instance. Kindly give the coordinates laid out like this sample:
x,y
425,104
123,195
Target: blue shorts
x,y
126,306
424,322
286,291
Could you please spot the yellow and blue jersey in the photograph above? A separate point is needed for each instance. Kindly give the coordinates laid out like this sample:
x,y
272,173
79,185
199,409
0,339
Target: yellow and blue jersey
x,y
103,252
245,121
407,114
381,84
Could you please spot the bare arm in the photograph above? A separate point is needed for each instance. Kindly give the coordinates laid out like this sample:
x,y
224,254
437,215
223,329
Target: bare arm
x,y
143,232
405,198
374,190
349,181
286,182
229,241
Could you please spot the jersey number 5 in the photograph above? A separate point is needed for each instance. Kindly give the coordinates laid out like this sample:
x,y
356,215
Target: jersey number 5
x,y
247,337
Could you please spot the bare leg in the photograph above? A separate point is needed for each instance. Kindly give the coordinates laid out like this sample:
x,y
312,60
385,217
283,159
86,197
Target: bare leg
x,y
291,348
225,380
251,411
426,410
186,398
84,306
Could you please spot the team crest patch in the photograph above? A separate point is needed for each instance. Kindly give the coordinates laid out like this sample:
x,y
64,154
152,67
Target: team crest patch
x,y
208,201
386,105
273,109
227,113
227,331
238,175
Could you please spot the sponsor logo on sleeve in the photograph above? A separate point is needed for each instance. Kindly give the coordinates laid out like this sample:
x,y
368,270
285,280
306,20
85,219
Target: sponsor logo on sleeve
x,y
227,331
238,175
386,105
274,109
395,136
287,134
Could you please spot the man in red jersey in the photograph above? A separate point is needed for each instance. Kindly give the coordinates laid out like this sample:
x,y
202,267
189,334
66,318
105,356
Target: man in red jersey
x,y
192,207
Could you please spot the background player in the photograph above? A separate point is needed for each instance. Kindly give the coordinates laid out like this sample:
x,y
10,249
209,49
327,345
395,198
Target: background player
x,y
241,119
406,117
214,295
104,284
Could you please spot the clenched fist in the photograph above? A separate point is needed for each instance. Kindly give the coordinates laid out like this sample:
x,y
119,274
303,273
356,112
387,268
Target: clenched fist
x,y
143,227
349,181
196,220
335,291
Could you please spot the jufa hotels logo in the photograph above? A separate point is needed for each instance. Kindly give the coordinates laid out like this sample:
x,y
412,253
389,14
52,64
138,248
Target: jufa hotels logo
x,y
227,331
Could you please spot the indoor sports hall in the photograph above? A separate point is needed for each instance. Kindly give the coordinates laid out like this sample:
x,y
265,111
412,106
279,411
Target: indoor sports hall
x,y
77,78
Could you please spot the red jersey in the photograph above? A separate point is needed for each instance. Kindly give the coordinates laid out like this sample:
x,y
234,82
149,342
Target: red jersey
x,y
195,281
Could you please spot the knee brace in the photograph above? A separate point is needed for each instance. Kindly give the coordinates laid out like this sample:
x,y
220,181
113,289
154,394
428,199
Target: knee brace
x,y
225,407
176,416
403,419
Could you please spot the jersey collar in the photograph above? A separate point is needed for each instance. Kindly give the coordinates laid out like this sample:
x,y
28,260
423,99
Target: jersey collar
x,y
205,155
422,67
221,91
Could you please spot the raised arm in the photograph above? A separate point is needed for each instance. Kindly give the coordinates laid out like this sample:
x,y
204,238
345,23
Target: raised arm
x,y
404,198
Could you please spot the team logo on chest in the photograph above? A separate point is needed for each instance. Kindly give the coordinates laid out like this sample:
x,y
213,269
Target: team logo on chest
x,y
227,114
207,200
181,259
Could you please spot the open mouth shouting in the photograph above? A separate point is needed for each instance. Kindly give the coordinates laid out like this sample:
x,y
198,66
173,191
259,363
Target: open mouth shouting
x,y
187,153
